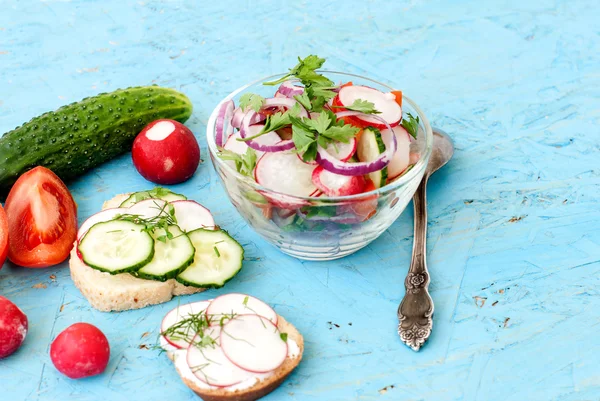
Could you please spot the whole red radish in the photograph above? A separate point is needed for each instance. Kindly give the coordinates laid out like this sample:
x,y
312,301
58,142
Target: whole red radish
x,y
3,237
166,152
13,327
81,350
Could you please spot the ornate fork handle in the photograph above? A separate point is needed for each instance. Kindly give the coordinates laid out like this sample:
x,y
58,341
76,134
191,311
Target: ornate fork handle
x,y
416,308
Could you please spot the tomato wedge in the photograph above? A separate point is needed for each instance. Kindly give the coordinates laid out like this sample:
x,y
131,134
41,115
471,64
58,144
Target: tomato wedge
x,y
3,237
42,219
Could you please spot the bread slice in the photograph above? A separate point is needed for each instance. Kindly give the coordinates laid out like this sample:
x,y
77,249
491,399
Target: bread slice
x,y
261,388
107,292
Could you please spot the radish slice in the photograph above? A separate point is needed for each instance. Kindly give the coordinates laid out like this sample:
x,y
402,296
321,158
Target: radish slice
x,y
253,343
333,184
401,158
209,363
191,215
342,151
100,217
236,146
330,163
283,172
223,127
413,158
250,115
288,89
240,147
184,335
239,304
149,208
385,103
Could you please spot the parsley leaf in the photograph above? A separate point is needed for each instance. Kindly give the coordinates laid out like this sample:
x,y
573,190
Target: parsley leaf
x,y
319,124
319,96
326,92
244,164
362,106
251,100
284,336
305,71
275,122
341,134
302,138
411,125
304,100
311,153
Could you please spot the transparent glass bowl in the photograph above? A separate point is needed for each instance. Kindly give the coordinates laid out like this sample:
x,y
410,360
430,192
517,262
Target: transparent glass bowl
x,y
318,228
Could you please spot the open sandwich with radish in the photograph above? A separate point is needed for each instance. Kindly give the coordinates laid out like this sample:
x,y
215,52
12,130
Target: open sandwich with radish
x,y
144,248
316,138
233,347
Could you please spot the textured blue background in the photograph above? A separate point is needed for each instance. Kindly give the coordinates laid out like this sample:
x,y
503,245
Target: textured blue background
x,y
514,245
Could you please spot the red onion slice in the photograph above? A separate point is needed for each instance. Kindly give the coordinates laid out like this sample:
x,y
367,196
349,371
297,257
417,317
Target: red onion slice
x,y
250,116
288,89
223,126
238,116
334,165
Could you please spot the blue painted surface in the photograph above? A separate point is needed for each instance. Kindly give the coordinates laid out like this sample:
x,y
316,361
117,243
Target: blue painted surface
x,y
514,245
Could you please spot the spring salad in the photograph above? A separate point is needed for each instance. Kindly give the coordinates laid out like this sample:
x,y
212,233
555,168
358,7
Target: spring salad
x,y
315,138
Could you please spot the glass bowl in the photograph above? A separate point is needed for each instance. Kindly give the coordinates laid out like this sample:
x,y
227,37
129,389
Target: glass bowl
x,y
318,228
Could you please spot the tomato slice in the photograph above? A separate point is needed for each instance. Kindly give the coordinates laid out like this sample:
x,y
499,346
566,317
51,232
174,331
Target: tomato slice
x,y
42,219
3,236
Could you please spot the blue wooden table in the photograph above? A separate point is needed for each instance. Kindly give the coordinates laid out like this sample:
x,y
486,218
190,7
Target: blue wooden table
x,y
514,244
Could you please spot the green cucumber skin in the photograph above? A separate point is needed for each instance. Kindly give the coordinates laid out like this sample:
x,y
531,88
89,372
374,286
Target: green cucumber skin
x,y
85,134
129,201
379,178
129,269
215,286
168,276
212,285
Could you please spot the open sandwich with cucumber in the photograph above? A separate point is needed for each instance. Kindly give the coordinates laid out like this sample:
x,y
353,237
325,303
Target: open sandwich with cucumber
x,y
233,347
144,248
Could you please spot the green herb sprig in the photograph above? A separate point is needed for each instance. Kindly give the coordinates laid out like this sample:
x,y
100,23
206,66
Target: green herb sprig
x,y
411,125
308,133
164,218
252,100
244,164
362,106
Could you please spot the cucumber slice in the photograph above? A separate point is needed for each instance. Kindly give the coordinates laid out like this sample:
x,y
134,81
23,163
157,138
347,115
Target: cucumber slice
x,y
218,258
116,246
171,256
156,193
370,146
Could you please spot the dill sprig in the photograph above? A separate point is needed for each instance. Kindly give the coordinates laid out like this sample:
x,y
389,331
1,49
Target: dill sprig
x,y
161,221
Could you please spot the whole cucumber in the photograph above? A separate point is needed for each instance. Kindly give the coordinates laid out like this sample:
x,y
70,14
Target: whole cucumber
x,y
82,135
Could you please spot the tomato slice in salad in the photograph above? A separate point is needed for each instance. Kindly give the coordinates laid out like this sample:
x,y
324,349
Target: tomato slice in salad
x,y
3,236
42,219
